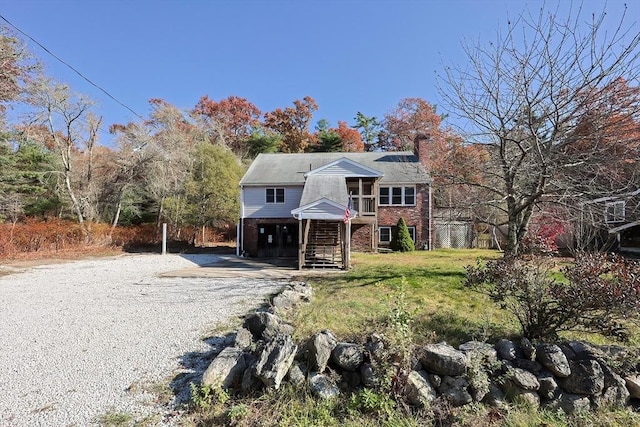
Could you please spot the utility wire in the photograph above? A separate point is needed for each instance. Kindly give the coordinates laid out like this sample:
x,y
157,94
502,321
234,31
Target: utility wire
x,y
71,67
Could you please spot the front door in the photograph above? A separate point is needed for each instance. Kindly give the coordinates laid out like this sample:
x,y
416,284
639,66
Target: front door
x,y
277,240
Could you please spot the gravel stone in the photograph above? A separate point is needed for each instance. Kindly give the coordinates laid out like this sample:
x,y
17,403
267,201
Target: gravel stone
x,y
82,339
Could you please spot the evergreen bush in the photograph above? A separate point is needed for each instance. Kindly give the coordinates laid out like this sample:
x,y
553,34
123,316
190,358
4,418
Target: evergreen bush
x,y
402,241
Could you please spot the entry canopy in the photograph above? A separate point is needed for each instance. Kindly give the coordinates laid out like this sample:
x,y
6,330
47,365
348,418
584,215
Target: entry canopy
x,y
322,209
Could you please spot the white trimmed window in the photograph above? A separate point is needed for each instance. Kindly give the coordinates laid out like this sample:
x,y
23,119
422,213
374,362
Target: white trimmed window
x,y
275,195
412,233
615,212
385,234
397,196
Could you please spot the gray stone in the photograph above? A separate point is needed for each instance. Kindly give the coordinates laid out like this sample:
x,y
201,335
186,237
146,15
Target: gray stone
x,y
528,365
518,395
292,295
633,385
320,346
548,386
523,379
375,346
528,349
495,397
553,359
479,352
286,329
478,383
243,338
613,397
348,356
454,389
297,374
322,386
419,391
368,376
578,350
226,369
442,359
276,360
249,380
615,393
436,380
571,403
586,378
350,380
506,350
263,325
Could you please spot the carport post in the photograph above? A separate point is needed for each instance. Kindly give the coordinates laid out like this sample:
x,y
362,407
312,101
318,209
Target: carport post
x,y
164,238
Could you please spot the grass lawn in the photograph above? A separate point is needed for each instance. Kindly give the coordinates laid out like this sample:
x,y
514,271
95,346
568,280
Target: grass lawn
x,y
358,302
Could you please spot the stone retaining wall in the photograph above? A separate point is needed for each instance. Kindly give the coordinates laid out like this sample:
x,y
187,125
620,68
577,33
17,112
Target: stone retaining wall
x,y
571,375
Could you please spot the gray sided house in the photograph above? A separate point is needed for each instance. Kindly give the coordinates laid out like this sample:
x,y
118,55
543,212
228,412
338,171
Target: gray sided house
x,y
621,216
610,223
295,205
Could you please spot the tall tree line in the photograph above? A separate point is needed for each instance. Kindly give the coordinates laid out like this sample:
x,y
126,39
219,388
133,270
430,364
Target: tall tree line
x,y
552,108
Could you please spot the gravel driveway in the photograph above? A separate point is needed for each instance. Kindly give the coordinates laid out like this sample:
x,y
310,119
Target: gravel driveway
x,y
87,338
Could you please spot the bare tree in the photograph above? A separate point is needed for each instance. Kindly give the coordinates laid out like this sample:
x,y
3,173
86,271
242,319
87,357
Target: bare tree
x,y
524,96
158,154
72,131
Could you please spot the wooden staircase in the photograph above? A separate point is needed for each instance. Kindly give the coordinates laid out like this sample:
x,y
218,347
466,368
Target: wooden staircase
x,y
323,244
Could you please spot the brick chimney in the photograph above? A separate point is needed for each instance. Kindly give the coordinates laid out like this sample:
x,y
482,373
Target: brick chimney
x,y
421,148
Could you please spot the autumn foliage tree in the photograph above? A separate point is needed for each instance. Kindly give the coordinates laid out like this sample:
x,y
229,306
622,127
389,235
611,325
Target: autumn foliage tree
x,y
608,127
411,119
17,67
292,124
229,122
340,139
350,137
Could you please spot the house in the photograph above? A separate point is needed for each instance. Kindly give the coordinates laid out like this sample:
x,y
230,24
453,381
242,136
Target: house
x,y
622,216
295,205
612,222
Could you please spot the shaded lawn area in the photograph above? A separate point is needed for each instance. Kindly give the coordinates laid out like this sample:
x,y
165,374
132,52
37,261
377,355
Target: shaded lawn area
x,y
359,302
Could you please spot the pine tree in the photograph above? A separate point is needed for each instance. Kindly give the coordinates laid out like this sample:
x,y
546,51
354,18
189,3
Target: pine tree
x,y
402,240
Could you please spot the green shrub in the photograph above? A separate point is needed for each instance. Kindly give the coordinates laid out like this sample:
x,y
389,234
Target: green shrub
x,y
402,241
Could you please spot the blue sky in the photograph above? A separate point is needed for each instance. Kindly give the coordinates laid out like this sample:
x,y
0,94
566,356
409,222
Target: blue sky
x,y
349,55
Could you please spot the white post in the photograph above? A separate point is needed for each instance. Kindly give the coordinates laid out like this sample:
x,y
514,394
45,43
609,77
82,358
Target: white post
x,y
348,241
238,239
164,238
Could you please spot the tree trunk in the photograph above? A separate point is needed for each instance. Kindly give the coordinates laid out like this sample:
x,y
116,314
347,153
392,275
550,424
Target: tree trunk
x,y
115,219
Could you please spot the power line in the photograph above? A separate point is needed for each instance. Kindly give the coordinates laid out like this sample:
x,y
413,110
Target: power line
x,y
72,68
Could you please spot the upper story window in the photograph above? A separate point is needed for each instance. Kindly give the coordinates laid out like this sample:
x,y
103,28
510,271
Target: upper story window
x,y
275,195
615,212
397,196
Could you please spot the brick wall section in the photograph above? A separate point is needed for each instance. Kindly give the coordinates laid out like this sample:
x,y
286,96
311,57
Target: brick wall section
x,y
251,231
415,216
361,237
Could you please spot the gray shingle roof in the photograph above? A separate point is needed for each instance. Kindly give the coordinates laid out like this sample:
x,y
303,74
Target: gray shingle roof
x,y
401,167
321,186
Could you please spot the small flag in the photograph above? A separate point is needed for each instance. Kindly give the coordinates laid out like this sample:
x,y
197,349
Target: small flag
x,y
347,212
